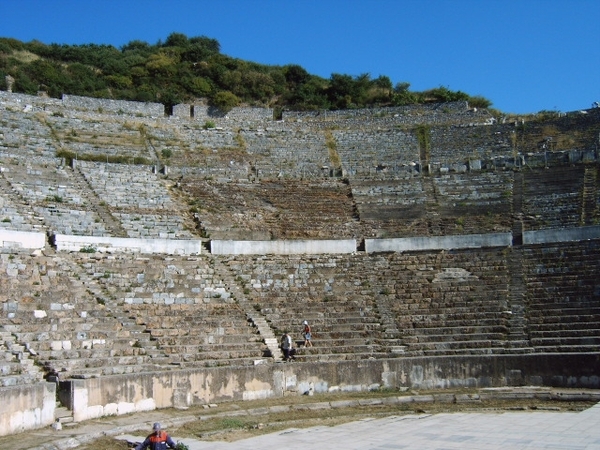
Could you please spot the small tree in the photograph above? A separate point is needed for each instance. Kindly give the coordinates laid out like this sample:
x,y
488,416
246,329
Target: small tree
x,y
225,101
478,101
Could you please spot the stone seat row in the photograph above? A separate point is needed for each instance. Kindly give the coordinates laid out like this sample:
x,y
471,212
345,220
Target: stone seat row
x,y
189,353
71,221
557,328
454,320
483,348
308,356
590,339
204,336
333,346
215,362
549,347
419,338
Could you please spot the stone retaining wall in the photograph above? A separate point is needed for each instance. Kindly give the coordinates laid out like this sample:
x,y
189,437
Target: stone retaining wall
x,y
26,407
73,243
282,247
111,244
204,113
22,239
438,243
564,235
114,106
117,395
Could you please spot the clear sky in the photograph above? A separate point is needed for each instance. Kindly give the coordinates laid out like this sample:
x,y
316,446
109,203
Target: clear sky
x,y
523,55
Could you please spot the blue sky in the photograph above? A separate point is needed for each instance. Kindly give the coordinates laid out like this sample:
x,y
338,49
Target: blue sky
x,y
523,55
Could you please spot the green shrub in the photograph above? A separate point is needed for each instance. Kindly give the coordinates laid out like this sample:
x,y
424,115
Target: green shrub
x,y
225,101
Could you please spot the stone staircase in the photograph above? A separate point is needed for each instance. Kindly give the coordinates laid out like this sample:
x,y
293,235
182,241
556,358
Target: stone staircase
x,y
431,206
589,204
176,310
258,320
98,205
17,363
518,339
15,212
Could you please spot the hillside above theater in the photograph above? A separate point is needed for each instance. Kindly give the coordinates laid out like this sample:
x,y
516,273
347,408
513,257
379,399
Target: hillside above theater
x,y
183,69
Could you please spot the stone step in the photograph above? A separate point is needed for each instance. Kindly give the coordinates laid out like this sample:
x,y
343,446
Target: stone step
x,y
63,415
473,329
352,356
232,362
457,345
565,340
486,350
560,327
566,332
451,338
217,355
571,348
202,348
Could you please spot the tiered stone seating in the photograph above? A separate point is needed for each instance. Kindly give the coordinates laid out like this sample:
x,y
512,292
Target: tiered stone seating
x,y
51,312
284,152
274,209
138,198
16,365
187,317
448,302
468,203
89,315
54,196
548,203
163,226
100,135
453,113
322,290
563,306
385,200
460,143
474,202
213,152
14,214
127,186
379,154
24,135
202,334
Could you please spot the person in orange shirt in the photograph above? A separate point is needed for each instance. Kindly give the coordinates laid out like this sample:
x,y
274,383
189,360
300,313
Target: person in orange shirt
x,y
158,440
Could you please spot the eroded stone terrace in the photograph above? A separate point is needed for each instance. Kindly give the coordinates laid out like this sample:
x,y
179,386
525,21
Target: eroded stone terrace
x,y
106,314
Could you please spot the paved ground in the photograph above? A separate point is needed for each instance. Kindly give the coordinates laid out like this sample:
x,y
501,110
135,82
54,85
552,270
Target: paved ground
x,y
490,431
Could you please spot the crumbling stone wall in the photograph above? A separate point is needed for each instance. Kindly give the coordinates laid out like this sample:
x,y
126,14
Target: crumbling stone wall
x,y
237,116
114,106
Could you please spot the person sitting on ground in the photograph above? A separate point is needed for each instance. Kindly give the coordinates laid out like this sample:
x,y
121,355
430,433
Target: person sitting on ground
x,y
307,335
158,440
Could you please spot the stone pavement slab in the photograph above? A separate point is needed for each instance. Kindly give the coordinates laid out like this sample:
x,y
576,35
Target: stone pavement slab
x,y
448,431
